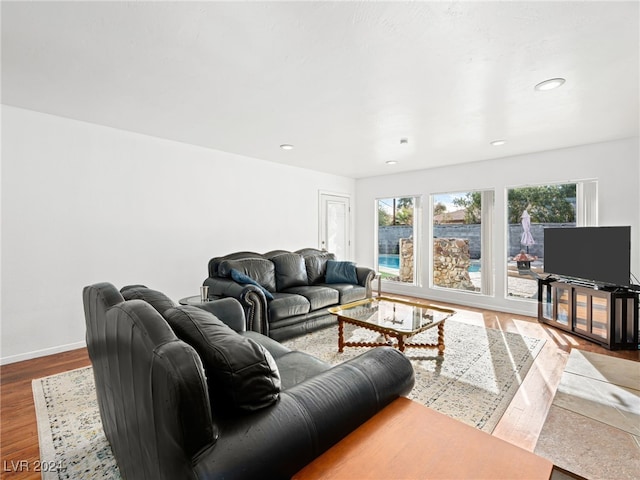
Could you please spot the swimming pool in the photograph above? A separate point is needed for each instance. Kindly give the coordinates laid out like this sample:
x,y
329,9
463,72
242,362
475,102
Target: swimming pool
x,y
474,267
389,260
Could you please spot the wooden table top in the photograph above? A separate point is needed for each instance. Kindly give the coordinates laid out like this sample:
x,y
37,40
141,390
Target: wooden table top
x,y
407,440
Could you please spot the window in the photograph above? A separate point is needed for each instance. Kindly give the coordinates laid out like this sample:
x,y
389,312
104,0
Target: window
x,y
461,242
397,251
530,210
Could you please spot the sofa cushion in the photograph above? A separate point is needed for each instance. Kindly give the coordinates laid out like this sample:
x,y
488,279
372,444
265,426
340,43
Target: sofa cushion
x,y
156,299
318,297
294,367
286,305
316,264
273,253
260,269
341,272
241,374
297,367
240,277
348,292
214,263
290,270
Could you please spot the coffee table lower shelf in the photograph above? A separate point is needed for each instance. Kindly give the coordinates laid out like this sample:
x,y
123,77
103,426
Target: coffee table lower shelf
x,y
410,441
400,338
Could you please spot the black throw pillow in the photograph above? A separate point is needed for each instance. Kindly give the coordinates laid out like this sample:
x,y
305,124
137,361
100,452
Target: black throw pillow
x,y
241,374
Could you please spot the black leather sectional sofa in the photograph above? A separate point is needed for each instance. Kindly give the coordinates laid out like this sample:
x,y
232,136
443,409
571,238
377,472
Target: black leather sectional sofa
x,y
185,394
284,293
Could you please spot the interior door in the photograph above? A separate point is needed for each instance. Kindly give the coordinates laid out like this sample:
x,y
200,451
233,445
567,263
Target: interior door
x,y
334,229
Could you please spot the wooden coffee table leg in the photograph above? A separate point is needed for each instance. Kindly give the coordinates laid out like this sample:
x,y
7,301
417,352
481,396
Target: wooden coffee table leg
x,y
441,338
400,343
340,335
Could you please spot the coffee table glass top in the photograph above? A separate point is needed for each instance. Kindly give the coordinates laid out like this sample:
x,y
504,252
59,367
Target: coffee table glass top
x,y
394,315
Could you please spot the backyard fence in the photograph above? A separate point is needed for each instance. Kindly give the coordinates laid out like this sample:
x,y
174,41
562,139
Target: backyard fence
x,y
389,237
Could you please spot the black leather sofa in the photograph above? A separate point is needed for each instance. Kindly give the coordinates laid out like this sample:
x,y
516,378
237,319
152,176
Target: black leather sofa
x,y
183,395
291,291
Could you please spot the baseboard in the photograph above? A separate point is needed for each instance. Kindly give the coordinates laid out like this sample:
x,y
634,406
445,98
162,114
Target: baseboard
x,y
516,306
41,353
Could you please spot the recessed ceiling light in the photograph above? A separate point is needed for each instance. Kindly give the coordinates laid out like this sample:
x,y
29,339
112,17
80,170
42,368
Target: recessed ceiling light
x,y
391,162
404,141
497,143
550,84
286,146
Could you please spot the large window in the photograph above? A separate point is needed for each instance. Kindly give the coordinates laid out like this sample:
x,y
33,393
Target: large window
x,y
530,210
397,251
462,241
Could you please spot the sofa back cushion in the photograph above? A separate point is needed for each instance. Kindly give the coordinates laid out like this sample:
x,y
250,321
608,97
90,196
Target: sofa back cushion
x,y
241,374
316,264
290,271
215,262
156,299
259,269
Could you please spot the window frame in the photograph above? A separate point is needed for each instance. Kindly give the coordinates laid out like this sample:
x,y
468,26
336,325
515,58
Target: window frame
x,y
487,209
417,239
586,216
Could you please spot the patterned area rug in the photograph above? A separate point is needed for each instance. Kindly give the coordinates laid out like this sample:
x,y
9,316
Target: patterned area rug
x,y
70,431
473,382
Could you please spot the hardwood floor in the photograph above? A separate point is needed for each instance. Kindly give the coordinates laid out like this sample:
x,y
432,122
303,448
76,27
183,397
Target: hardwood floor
x,y
520,425
18,430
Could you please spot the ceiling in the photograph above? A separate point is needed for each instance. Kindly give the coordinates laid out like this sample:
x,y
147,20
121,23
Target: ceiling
x,y
343,82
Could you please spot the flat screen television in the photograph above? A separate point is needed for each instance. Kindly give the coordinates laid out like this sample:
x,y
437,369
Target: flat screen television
x,y
599,255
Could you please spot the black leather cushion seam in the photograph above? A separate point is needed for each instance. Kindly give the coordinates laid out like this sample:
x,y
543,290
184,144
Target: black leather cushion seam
x,y
356,368
136,323
308,418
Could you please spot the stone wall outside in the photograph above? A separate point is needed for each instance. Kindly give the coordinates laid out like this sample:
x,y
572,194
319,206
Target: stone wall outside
x,y
406,260
451,260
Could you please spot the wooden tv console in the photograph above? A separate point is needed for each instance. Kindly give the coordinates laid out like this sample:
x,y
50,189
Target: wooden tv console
x,y
410,441
607,316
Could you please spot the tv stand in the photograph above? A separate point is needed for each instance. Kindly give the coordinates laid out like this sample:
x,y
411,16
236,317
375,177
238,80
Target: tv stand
x,y
607,316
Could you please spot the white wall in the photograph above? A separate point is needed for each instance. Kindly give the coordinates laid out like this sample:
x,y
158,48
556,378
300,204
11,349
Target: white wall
x,y
83,203
614,164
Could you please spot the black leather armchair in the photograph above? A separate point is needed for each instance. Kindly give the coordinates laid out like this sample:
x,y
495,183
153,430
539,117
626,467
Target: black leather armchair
x,y
157,405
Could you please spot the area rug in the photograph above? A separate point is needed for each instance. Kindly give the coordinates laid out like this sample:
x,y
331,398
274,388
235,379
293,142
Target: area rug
x,y
70,431
593,425
473,382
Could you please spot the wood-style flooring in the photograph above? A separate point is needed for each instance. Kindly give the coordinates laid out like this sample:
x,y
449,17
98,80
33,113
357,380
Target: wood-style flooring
x,y
520,425
19,452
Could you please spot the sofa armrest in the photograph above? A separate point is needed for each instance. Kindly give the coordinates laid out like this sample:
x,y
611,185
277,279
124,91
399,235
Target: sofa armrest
x,y
229,310
345,396
309,418
250,297
365,278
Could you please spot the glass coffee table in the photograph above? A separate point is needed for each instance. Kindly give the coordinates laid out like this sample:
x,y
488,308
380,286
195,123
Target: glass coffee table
x,y
393,318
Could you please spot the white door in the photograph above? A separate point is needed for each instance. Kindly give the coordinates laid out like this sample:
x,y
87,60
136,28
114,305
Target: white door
x,y
334,228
